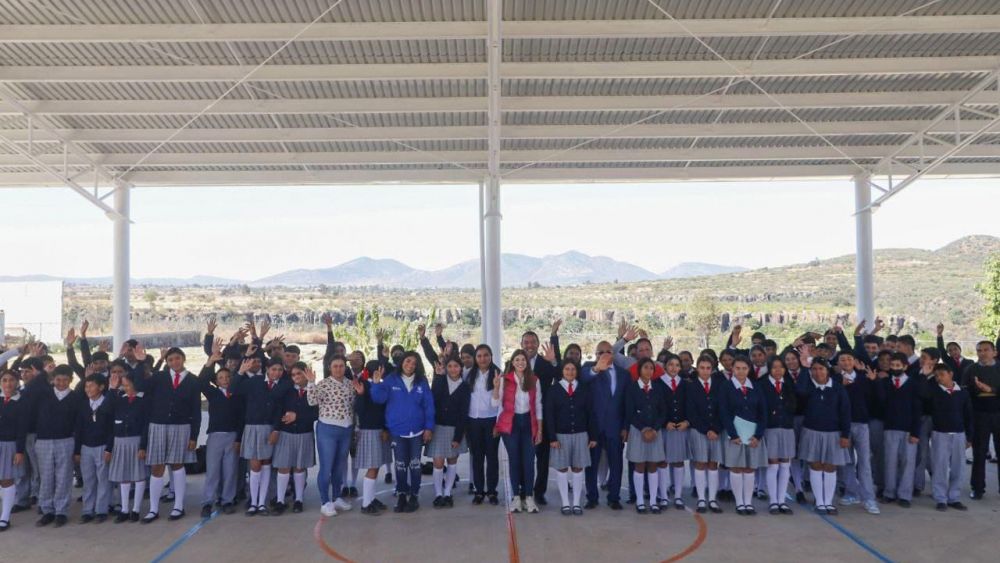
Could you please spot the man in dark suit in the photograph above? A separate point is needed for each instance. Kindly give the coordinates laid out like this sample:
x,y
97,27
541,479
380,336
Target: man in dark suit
x,y
546,369
607,388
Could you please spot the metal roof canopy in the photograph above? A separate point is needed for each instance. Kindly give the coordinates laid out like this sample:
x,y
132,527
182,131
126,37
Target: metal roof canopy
x,y
104,95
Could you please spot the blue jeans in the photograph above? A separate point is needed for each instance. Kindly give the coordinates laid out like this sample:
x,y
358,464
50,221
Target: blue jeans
x,y
520,455
332,443
407,453
613,446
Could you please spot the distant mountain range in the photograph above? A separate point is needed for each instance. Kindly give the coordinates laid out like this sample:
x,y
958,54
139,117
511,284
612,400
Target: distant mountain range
x,y
568,268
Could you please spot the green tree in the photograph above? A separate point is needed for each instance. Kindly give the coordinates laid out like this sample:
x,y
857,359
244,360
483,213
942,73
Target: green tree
x,y
989,321
704,317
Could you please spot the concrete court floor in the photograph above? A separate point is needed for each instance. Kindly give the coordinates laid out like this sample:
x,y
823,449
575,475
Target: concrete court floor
x,y
479,534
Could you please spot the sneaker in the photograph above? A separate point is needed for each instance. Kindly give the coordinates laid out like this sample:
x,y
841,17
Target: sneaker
x,y
341,505
849,500
530,506
206,511
516,505
413,505
871,507
328,509
370,510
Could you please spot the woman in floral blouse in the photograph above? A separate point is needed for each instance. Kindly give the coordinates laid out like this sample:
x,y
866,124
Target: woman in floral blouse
x,y
335,397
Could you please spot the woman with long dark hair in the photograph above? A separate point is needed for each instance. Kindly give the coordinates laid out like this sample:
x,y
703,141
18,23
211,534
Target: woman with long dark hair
x,y
484,442
519,423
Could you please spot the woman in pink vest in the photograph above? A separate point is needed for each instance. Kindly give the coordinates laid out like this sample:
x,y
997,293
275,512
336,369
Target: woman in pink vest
x,y
519,425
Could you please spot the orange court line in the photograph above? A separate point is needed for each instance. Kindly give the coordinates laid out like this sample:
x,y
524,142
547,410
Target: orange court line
x,y
695,545
318,536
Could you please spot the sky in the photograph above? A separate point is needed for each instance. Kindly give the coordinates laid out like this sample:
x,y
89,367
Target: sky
x,y
252,233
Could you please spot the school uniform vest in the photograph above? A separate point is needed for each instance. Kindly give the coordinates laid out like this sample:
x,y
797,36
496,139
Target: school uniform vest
x,y
951,412
505,420
55,419
901,406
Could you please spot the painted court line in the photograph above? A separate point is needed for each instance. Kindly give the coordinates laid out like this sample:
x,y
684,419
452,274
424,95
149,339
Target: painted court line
x,y
187,535
850,535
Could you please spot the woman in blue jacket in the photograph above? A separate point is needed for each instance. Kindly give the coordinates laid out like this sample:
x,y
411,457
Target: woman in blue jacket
x,y
409,415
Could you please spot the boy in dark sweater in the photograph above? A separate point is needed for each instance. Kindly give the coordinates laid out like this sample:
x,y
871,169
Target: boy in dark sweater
x,y
95,423
951,415
900,396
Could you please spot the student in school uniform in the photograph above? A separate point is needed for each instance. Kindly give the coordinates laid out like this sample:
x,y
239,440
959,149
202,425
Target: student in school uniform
x,y
295,450
127,444
645,414
484,444
952,426
174,397
859,380
778,388
518,395
704,442
951,355
373,446
571,432
409,415
900,396
225,429
451,413
742,399
34,379
54,410
94,429
261,414
674,434
13,429
826,432
928,359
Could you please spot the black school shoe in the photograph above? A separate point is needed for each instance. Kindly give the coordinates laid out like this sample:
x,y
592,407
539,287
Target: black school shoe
x,y
615,505
206,511
400,504
228,508
279,509
45,520
903,503
941,507
61,520
478,499
388,478
540,500
379,504
297,507
957,506
413,505
121,518
590,504
448,502
177,515
133,517
19,508
101,518
493,499
86,518
438,502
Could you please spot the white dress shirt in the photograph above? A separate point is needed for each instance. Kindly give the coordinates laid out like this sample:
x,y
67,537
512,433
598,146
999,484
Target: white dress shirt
x,y
481,403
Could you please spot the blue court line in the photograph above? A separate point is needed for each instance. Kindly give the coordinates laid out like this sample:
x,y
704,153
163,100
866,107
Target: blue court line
x,y
181,540
850,535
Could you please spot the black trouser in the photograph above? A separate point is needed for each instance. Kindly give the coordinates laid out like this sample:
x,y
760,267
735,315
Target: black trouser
x,y
542,464
985,425
483,447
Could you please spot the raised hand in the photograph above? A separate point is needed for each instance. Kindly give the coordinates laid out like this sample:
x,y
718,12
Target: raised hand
x,y
212,324
630,333
859,328
642,333
549,353
310,374
737,335
252,328
163,353
327,319
622,329
265,326
438,329
668,342
216,351
879,325
245,366
359,387
104,346
83,328
251,351
70,337
603,363
421,331
438,368
555,327
239,336
940,329
377,376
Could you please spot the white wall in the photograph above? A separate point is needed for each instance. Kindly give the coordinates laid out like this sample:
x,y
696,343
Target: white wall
x,y
33,306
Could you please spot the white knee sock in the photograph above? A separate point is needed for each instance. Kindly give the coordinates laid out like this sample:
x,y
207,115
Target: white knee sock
x,y
179,480
300,485
577,487
678,478
265,483
562,480
438,479
449,478
367,492
654,478
282,483
772,484
748,485
829,486
124,490
700,483
640,481
816,478
736,481
663,478
713,484
255,487
140,487
8,494
784,472
155,488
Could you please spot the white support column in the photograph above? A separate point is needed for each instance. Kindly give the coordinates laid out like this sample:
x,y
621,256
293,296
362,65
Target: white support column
x,y
492,311
481,222
864,257
120,291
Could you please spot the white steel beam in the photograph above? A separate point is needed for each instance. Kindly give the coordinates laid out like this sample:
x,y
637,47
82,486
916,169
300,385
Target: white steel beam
x,y
493,312
736,27
325,106
511,70
864,261
121,327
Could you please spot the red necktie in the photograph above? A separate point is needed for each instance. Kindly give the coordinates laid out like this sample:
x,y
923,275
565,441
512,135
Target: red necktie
x,y
7,400
896,382
744,390
569,390
177,380
777,386
131,398
756,372
673,384
950,391
268,384
646,388
227,393
301,392
707,388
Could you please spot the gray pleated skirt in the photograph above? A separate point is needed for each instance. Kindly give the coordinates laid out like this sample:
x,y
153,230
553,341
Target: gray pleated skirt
x,y
254,444
572,451
440,445
703,450
675,445
822,447
9,471
126,467
780,443
168,444
639,451
372,452
294,450
744,456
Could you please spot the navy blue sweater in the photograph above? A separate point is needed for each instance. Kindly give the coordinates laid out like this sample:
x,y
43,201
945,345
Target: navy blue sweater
x,y
225,412
951,412
901,407
570,415
645,410
262,406
702,408
827,409
750,407
95,429
173,406
55,419
781,407
451,409
131,418
861,395
371,415
305,415
14,421
674,401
